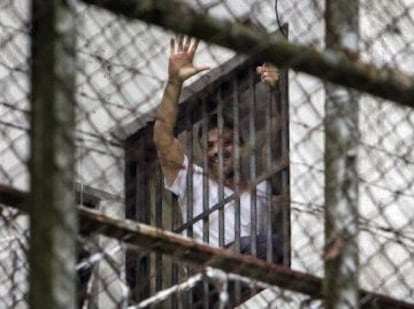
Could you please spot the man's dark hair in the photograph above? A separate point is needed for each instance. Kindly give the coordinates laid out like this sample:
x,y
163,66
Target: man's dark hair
x,y
212,123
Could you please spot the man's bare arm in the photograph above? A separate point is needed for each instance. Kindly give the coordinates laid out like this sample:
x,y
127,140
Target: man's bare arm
x,y
180,68
170,152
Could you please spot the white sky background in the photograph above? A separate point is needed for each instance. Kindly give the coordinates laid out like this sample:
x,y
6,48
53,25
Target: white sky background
x,y
122,69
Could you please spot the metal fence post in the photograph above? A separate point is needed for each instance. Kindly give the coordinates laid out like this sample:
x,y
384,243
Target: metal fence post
x,y
341,181
52,204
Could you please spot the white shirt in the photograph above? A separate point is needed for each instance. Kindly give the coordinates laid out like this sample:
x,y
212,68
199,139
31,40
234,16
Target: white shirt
x,y
179,187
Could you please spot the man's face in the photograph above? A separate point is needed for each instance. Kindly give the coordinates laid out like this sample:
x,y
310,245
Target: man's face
x,y
213,142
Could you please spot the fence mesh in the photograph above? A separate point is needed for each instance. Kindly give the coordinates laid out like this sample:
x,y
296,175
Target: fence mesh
x,y
120,74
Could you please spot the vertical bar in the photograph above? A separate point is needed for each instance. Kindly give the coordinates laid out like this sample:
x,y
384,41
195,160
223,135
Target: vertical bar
x,y
158,178
53,224
130,180
268,164
190,174
220,123
341,181
282,98
206,189
174,266
252,159
142,201
237,176
237,162
206,199
189,146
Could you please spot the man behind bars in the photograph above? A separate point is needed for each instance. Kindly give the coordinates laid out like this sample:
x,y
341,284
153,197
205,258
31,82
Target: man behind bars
x,y
175,164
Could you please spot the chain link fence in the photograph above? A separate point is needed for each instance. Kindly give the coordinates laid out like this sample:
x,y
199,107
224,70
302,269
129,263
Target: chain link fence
x,y
348,223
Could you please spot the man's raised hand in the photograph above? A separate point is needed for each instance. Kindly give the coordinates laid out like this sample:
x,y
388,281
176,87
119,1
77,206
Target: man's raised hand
x,y
269,74
181,65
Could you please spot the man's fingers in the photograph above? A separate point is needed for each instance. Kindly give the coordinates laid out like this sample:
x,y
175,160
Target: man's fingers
x,y
172,46
180,42
194,47
184,44
269,74
187,43
265,70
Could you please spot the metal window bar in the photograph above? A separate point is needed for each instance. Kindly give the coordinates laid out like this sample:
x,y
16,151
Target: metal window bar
x,y
142,261
190,155
206,189
175,218
158,223
237,162
206,183
237,176
267,164
281,104
252,159
221,183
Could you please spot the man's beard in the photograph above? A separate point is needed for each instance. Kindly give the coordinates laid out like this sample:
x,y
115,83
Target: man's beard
x,y
226,170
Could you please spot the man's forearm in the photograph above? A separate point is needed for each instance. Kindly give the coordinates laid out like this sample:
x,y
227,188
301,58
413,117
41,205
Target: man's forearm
x,y
167,114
